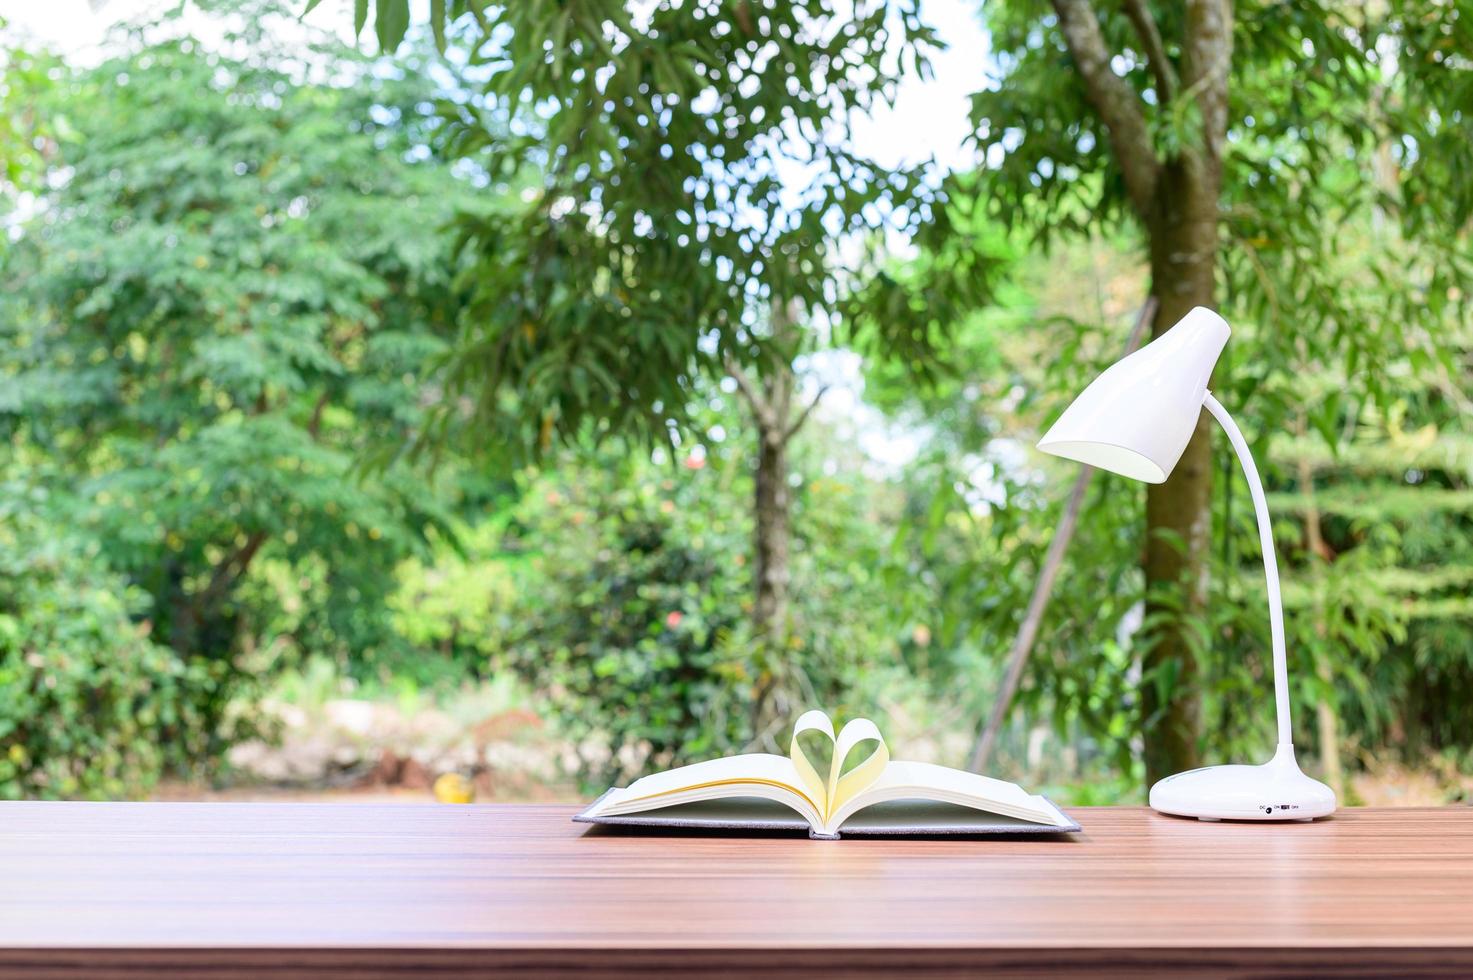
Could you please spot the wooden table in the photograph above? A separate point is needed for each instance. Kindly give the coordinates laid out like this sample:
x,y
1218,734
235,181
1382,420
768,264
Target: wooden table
x,y
246,889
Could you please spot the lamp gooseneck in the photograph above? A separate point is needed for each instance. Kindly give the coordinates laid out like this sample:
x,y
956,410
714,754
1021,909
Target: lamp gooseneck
x,y
1270,566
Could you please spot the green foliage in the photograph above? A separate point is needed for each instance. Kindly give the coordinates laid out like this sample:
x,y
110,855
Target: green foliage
x,y
459,602
661,215
25,78
1335,115
218,318
1382,606
89,705
1343,265
1378,622
629,627
632,616
252,280
982,511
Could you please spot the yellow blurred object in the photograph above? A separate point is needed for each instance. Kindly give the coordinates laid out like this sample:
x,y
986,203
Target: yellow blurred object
x,y
454,788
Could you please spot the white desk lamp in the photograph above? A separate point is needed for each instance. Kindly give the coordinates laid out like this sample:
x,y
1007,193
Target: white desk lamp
x,y
1136,420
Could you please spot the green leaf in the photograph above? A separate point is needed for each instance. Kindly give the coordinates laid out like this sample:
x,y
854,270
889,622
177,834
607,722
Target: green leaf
x,y
391,23
437,23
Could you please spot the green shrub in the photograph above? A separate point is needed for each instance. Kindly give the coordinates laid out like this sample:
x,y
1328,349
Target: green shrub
x,y
632,613
452,611
89,705
623,626
224,357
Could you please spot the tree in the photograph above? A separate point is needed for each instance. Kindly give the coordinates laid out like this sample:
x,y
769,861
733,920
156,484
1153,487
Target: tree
x,y
1221,133
694,178
220,315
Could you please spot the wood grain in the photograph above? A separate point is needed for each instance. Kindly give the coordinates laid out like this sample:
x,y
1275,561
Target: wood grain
x,y
115,888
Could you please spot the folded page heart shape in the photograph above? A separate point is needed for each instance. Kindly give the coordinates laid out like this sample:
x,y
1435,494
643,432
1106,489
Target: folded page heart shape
x,y
833,792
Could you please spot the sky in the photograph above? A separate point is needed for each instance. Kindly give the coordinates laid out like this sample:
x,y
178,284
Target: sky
x,y
928,120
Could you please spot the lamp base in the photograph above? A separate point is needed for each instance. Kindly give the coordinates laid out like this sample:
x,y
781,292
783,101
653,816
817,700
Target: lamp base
x,y
1276,790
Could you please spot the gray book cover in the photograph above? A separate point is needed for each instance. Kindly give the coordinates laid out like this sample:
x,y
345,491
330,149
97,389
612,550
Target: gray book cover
x,y
900,818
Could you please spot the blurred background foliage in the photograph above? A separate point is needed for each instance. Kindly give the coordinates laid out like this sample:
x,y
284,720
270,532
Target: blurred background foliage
x,y
312,391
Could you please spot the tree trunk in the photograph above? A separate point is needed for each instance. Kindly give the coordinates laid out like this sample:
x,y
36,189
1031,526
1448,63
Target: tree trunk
x,y
772,510
772,530
1183,234
770,398
1176,200
772,497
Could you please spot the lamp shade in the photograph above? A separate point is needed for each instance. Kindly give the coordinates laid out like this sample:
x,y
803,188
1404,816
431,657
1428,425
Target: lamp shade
x,y
1137,417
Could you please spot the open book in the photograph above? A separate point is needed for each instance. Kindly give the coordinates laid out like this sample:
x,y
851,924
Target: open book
x,y
759,791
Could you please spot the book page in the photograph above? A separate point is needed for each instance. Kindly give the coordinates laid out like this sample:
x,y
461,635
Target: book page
x,y
843,788
758,775
924,781
813,785
906,818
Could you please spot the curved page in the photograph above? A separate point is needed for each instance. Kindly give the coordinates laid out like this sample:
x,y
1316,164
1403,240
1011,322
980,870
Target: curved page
x,y
759,775
923,781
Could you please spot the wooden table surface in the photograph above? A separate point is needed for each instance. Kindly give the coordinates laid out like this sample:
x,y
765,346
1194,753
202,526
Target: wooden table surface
x,y
249,888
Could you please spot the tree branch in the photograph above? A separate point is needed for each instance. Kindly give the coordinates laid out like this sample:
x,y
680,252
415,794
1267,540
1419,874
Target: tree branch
x,y
1161,67
314,424
229,571
1112,99
807,411
758,403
